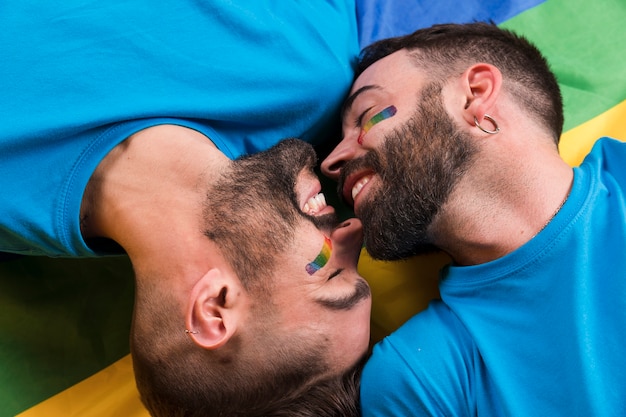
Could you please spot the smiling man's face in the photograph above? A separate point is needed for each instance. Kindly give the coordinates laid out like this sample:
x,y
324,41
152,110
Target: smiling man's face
x,y
398,173
280,236
330,298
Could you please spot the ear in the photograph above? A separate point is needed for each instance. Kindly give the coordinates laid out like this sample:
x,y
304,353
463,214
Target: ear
x,y
482,85
217,305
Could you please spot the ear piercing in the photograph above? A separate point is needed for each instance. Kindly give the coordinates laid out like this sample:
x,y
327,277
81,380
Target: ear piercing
x,y
495,130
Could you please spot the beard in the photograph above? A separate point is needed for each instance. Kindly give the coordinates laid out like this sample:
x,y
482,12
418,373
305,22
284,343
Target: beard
x,y
252,210
418,166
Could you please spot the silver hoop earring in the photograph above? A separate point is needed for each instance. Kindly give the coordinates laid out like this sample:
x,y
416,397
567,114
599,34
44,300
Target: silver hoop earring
x,y
495,125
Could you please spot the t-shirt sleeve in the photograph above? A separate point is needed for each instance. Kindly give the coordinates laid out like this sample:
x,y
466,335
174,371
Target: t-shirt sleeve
x,y
422,369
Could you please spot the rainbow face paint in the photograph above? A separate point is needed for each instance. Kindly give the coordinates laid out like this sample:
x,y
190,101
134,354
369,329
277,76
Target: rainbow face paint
x,y
322,258
378,117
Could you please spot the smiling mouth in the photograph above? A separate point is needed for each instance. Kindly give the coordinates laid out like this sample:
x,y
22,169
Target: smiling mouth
x,y
315,204
358,186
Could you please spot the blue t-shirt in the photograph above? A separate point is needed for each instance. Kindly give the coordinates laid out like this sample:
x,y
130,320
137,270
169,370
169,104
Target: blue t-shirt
x,y
78,77
539,332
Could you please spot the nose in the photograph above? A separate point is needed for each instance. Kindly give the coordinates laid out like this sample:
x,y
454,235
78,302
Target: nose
x,y
345,151
348,240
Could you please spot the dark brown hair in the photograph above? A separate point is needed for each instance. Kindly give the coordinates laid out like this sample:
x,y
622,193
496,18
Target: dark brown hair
x,y
445,50
261,372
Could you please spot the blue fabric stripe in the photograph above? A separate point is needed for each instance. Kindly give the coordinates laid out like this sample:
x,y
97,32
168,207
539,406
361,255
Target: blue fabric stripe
x,y
378,19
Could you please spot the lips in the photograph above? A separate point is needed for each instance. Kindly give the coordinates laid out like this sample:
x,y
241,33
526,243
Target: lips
x,y
311,199
358,186
354,185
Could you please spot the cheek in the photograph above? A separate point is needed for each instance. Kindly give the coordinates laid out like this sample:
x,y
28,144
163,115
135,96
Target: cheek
x,y
350,335
300,314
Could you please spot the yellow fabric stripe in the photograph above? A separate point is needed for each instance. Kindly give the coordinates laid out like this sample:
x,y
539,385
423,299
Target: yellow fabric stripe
x,y
110,392
399,289
577,142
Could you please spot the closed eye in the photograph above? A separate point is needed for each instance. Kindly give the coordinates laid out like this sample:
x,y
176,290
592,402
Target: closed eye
x,y
334,274
358,122
361,292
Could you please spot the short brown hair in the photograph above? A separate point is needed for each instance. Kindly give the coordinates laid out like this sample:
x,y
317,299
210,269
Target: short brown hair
x,y
446,49
258,373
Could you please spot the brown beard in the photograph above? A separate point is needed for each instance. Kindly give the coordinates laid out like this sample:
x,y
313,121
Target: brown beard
x,y
252,211
418,166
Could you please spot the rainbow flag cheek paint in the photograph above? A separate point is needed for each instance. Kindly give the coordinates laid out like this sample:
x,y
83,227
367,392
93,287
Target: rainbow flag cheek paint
x,y
378,117
322,258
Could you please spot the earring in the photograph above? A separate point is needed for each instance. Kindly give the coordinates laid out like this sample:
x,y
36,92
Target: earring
x,y
495,125
191,332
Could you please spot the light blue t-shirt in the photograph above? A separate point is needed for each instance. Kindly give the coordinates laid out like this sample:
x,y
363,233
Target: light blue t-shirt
x,y
539,332
78,77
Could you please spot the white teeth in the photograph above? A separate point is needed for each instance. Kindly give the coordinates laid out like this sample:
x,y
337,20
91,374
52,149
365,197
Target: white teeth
x,y
359,186
315,204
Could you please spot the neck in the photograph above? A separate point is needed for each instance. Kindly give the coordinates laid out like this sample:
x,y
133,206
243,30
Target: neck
x,y
493,212
147,195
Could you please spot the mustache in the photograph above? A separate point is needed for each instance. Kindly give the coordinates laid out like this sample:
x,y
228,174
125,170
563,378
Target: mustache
x,y
325,222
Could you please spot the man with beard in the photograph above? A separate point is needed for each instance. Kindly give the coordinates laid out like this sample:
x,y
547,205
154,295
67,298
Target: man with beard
x,y
450,141
118,119
246,304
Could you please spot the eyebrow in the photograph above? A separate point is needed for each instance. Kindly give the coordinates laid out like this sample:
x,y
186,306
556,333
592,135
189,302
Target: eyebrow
x,y
347,105
361,291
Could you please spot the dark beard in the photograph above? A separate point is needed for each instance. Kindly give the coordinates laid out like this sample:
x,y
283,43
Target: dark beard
x,y
252,210
418,166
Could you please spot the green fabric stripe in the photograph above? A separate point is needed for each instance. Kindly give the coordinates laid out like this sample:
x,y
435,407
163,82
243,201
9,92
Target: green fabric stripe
x,y
575,36
61,320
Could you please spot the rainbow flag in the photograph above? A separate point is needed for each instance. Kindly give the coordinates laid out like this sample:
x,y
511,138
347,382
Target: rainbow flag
x,y
64,324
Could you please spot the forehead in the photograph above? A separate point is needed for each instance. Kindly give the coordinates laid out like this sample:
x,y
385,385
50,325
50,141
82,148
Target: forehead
x,y
395,78
394,69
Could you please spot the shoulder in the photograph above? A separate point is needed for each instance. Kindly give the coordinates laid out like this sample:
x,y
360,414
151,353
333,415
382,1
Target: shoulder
x,y
606,162
426,366
608,153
